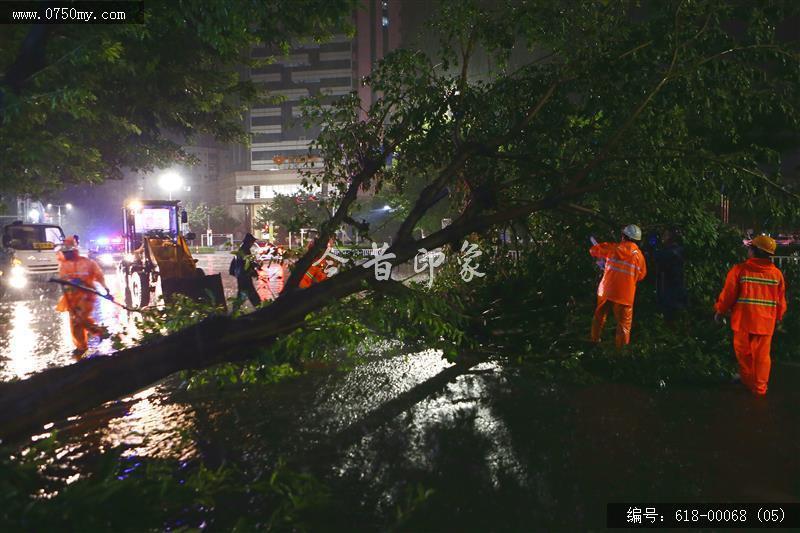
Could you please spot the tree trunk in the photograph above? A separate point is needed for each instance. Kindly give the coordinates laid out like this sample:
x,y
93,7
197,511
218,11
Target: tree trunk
x,y
27,405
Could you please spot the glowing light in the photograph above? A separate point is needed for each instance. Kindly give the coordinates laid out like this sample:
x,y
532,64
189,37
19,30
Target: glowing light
x,y
49,206
22,342
149,415
107,260
129,258
170,181
68,206
34,215
134,204
116,240
17,282
17,270
103,240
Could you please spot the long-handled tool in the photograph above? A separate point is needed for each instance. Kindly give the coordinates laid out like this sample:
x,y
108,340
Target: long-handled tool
x,y
107,296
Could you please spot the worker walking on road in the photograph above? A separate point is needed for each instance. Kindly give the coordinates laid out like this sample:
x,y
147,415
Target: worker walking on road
x,y
83,271
624,268
245,267
755,294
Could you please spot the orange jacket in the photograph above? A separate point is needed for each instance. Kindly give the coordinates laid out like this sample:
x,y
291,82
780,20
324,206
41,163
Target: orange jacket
x,y
314,274
625,267
83,271
756,292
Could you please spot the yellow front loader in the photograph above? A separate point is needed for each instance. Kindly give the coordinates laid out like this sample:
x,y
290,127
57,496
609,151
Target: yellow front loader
x,y
157,259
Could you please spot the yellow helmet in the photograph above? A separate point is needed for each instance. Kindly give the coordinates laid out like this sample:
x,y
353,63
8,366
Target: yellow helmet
x,y
764,243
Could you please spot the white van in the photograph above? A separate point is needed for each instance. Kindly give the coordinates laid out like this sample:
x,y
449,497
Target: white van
x,y
29,253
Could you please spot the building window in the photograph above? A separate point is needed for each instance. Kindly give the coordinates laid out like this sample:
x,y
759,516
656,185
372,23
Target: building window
x,y
256,191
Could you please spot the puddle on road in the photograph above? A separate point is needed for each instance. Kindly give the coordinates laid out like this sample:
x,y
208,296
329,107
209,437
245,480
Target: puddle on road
x,y
34,336
489,443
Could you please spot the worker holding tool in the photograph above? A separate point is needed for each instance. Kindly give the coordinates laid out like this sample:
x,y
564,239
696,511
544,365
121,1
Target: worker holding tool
x,y
244,267
755,294
624,268
78,271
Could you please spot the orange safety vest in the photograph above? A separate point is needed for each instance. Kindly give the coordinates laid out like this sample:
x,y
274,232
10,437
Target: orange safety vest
x,y
83,271
625,267
314,274
756,293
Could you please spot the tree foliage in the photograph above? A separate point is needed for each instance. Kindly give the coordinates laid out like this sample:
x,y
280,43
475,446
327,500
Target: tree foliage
x,y
645,112
80,103
620,114
201,215
292,212
623,112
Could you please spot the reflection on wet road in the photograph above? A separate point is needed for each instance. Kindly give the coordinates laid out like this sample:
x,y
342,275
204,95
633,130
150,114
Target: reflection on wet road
x,y
34,336
493,443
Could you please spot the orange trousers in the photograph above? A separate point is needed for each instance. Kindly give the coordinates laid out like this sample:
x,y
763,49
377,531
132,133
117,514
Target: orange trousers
x,y
81,323
752,353
623,314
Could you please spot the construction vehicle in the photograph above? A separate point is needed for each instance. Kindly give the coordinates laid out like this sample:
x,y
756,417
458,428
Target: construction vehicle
x,y
157,261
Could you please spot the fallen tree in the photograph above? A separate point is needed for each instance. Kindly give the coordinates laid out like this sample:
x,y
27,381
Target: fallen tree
x,y
613,113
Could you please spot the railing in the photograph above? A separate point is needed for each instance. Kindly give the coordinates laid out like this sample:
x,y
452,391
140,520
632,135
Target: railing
x,y
220,238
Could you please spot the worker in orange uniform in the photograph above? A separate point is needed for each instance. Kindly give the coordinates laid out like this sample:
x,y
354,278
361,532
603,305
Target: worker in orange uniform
x,y
624,268
316,272
80,304
755,294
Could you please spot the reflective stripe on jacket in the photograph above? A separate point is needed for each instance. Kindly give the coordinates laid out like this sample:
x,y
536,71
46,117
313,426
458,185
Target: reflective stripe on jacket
x,y
625,267
314,274
755,292
82,271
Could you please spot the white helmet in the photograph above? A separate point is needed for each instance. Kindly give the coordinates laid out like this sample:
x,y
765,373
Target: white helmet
x,y
633,232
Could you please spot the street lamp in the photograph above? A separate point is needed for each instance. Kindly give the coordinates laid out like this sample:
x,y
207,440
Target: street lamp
x,y
170,181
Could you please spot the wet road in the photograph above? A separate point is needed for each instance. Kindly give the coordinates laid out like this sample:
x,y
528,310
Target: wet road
x,y
493,446
34,336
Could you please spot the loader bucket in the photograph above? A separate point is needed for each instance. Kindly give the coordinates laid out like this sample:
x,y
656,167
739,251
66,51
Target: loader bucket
x,y
179,274
199,288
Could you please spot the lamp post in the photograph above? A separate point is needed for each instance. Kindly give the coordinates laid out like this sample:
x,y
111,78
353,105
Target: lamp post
x,y
170,181
67,207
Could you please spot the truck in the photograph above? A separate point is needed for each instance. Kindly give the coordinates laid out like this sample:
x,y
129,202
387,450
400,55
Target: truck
x,y
157,260
29,254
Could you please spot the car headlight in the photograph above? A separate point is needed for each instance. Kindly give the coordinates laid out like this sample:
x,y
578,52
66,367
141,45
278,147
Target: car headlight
x,y
17,282
107,260
18,271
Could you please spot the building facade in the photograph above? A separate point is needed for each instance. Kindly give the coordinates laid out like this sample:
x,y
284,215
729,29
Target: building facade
x,y
280,141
